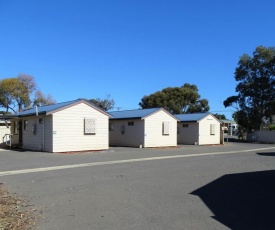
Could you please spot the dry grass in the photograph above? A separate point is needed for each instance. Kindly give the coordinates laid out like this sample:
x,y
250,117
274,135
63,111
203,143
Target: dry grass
x,y
15,213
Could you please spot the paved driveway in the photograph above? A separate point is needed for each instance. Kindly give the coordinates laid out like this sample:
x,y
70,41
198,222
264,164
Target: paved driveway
x,y
15,160
191,187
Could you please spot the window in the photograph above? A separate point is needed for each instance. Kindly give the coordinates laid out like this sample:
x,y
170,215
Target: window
x,y
16,127
185,125
212,129
34,129
111,127
89,126
41,120
130,123
25,124
165,128
122,129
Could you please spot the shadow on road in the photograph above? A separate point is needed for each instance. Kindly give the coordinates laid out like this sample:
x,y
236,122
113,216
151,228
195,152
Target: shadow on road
x,y
243,200
271,154
234,139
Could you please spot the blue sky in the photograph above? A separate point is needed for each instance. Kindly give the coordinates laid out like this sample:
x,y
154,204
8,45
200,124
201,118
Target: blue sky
x,y
131,48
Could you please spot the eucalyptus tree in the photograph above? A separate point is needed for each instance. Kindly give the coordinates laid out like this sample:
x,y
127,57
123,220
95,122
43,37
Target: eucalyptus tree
x,y
255,99
177,100
105,104
20,93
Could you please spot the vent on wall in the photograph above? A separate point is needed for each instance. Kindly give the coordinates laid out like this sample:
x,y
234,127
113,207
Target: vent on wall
x,y
89,126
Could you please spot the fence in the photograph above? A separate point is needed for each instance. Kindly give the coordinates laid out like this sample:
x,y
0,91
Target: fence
x,y
262,136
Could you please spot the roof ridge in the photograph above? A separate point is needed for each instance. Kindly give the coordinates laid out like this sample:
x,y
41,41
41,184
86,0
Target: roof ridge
x,y
44,107
193,113
134,109
50,105
61,102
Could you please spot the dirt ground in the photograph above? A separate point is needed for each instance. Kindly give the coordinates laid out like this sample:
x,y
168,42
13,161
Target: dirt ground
x,y
15,212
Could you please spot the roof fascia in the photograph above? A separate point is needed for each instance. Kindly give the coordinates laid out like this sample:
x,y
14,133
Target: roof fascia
x,y
162,109
32,114
126,118
9,116
210,115
228,122
76,103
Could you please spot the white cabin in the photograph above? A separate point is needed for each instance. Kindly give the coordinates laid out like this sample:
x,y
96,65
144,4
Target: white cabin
x,y
64,127
198,129
143,128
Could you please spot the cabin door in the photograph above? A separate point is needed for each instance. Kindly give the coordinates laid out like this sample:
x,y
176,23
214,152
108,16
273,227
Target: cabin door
x,y
20,131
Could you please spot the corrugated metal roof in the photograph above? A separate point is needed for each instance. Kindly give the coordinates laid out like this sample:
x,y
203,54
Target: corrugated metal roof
x,y
228,121
137,113
46,109
10,116
50,108
191,117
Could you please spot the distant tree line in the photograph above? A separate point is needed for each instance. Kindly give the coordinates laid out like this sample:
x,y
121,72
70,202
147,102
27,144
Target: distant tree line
x,y
20,93
177,100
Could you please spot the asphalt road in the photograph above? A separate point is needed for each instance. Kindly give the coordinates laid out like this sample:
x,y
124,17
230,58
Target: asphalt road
x,y
191,187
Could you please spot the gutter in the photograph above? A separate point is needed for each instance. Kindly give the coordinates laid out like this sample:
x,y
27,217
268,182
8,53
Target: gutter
x,y
126,118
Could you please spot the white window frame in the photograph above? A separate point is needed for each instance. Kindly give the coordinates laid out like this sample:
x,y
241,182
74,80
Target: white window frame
x,y
212,129
16,127
165,128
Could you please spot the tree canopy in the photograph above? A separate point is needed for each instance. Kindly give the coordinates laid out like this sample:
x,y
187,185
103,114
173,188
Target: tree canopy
x,y
105,104
40,99
220,116
255,99
177,100
16,93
